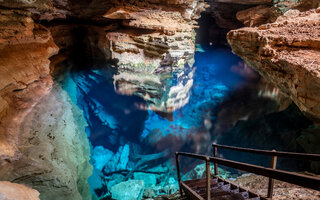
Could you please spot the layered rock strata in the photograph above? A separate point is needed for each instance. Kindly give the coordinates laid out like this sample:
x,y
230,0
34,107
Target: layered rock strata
x,y
287,54
156,46
24,60
152,40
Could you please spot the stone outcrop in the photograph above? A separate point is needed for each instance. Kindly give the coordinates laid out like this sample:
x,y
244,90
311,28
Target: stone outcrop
x,y
262,13
255,16
287,54
152,41
25,48
42,142
54,150
14,191
228,15
128,190
155,46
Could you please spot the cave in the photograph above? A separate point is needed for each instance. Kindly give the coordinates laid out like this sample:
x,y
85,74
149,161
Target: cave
x,y
97,96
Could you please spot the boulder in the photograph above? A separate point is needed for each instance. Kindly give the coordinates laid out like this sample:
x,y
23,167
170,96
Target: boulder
x,y
100,157
14,191
149,179
129,190
200,171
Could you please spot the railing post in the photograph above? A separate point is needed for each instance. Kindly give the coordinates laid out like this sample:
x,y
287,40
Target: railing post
x,y
178,172
215,154
273,165
208,174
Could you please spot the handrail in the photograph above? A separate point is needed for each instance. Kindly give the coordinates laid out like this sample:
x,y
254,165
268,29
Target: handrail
x,y
303,156
290,177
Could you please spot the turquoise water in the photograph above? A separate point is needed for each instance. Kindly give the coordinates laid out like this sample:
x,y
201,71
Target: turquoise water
x,y
132,142
114,119
117,127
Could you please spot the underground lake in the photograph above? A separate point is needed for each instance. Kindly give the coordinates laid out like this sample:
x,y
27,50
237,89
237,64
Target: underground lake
x,y
130,99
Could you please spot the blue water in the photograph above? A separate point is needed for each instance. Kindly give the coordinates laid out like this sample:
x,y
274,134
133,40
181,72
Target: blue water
x,y
123,121
213,81
115,121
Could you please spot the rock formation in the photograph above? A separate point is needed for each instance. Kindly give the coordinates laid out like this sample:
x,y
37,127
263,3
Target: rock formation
x,y
150,45
152,39
42,143
287,54
128,190
14,191
154,47
24,60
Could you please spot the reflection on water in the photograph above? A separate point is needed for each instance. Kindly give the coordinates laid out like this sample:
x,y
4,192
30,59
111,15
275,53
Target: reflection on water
x,y
116,108
137,120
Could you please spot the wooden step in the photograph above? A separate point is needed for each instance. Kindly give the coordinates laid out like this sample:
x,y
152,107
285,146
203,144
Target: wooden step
x,y
221,189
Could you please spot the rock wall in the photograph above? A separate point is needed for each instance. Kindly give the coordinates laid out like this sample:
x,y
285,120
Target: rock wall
x,y
287,54
42,140
24,60
152,44
233,14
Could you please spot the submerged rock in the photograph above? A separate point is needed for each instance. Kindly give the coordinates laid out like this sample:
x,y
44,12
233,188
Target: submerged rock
x,y
100,157
148,179
129,190
149,193
200,172
118,161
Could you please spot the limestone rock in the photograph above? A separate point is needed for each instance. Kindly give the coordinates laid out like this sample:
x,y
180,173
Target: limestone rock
x,y
25,49
42,142
109,161
199,171
149,179
254,16
129,190
55,150
287,54
149,193
14,191
100,157
156,45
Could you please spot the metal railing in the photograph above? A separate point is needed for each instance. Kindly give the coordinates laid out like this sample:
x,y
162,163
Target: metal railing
x,y
302,156
290,177
274,157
